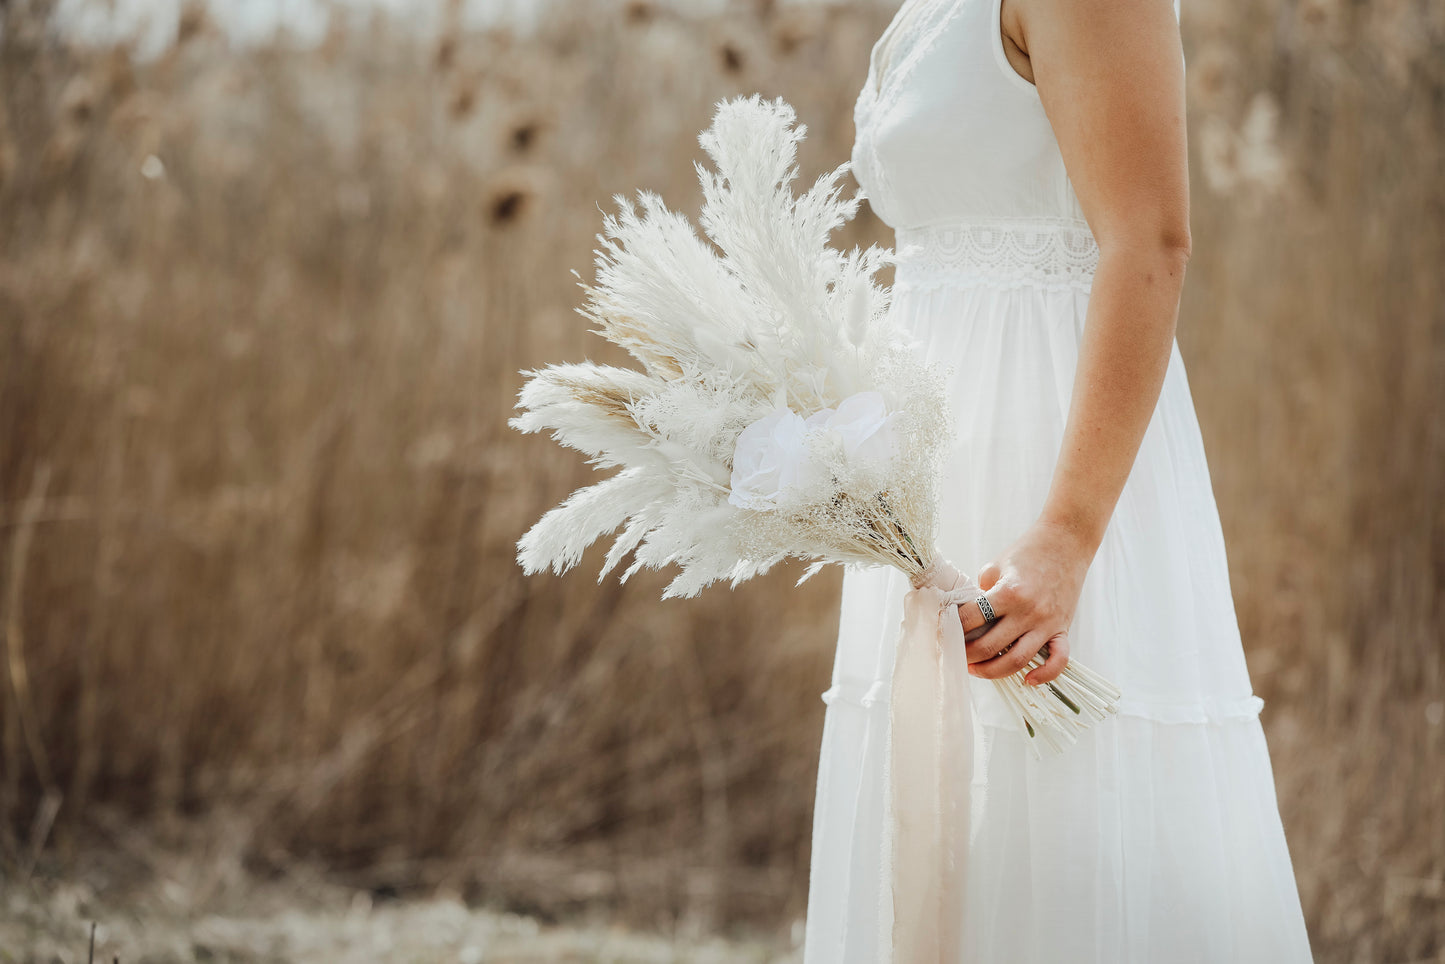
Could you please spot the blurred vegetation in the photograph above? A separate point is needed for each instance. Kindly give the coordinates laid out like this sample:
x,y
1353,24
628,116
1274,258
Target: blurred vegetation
x,y
261,317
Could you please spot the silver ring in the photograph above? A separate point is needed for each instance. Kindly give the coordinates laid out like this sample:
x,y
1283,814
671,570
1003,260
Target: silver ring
x,y
986,609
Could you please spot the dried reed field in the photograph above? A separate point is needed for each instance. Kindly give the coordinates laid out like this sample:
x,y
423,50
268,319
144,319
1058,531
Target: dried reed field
x,y
262,314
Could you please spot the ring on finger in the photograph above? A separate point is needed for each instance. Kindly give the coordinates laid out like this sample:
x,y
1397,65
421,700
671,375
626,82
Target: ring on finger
x,y
985,608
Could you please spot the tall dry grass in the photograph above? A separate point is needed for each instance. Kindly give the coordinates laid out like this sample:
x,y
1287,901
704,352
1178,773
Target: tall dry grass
x,y
262,316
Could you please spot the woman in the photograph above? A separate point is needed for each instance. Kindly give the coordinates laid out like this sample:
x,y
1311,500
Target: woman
x,y
1031,156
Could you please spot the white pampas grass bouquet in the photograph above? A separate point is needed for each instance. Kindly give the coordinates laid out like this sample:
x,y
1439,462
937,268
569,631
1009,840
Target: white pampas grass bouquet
x,y
777,413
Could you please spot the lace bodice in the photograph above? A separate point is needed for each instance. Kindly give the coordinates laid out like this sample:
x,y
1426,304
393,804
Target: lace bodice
x,y
955,152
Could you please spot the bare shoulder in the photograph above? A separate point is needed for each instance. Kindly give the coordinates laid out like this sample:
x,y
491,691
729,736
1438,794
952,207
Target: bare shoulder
x,y
1110,76
1122,20
1090,37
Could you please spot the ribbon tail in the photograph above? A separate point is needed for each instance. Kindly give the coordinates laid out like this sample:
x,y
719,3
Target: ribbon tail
x,y
930,770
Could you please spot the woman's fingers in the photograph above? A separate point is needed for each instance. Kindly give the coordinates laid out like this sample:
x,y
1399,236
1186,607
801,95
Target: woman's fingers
x,y
970,614
988,576
1013,659
1058,659
993,639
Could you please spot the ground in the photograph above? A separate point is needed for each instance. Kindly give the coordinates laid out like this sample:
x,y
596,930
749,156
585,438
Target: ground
x,y
301,918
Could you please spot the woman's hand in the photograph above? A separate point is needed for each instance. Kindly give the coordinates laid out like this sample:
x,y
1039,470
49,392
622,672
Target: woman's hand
x,y
1033,588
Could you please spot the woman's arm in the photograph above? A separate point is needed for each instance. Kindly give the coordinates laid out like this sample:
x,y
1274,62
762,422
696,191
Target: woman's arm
x,y
1110,74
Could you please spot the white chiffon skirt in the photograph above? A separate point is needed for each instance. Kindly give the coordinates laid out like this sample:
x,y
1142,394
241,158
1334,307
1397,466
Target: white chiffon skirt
x,y
1155,840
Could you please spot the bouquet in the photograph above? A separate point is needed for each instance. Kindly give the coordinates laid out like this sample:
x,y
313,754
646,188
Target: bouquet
x,y
778,413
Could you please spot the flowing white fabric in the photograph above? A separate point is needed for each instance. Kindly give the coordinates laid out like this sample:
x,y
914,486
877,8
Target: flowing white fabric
x,y
930,768
1157,838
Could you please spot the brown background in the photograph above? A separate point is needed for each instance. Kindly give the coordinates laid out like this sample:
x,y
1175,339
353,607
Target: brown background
x,y
258,500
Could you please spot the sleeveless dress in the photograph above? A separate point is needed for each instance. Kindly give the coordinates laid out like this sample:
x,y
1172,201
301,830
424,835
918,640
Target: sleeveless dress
x,y
1157,838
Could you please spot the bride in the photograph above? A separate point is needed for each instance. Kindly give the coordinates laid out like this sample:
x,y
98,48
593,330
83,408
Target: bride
x,y
1031,156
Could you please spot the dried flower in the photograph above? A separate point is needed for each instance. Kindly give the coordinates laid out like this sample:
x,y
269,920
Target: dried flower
x,y
721,475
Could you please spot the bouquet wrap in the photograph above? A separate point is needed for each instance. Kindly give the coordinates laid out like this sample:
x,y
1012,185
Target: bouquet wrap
x,y
930,748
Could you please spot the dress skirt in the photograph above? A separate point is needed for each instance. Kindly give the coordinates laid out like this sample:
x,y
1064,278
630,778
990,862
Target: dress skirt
x,y
1157,838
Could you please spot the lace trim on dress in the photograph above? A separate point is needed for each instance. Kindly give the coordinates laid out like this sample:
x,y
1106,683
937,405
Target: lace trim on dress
x,y
1006,252
907,40
902,35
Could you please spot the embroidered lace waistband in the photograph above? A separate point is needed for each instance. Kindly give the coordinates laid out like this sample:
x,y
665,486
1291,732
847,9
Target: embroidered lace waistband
x,y
1000,252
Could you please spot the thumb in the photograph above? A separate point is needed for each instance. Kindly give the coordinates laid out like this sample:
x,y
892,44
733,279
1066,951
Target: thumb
x,y
988,576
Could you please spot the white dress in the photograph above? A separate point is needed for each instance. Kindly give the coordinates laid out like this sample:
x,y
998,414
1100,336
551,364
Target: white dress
x,y
1157,839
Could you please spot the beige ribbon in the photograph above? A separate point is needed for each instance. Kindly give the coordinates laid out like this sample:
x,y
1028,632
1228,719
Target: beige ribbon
x,y
930,768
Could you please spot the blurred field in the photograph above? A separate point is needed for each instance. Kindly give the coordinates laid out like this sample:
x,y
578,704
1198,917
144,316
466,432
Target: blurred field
x,y
178,918
261,316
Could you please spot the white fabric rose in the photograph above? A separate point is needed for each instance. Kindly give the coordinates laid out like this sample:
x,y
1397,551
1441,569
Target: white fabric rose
x,y
781,454
768,460
862,425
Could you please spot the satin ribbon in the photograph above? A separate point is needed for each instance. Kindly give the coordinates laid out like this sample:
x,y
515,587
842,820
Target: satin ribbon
x,y
930,768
